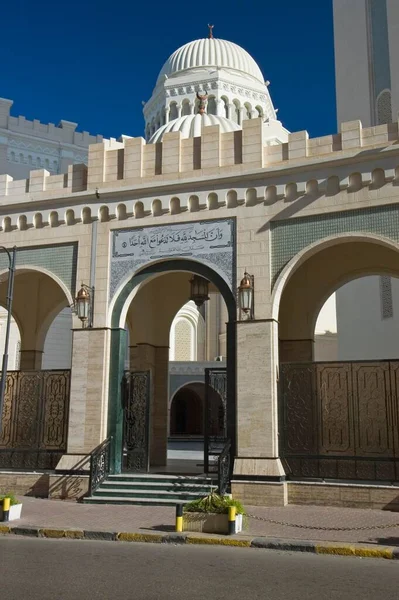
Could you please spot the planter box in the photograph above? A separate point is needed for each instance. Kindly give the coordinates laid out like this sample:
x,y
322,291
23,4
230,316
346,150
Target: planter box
x,y
14,514
209,523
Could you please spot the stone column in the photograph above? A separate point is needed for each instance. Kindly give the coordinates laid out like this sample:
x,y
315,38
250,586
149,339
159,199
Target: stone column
x,y
30,360
88,410
258,473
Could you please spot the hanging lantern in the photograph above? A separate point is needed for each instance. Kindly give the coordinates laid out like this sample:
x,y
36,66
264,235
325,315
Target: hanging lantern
x,y
82,304
246,295
199,290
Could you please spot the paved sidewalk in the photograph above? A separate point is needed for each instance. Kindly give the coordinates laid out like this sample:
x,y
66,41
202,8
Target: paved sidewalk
x,y
317,523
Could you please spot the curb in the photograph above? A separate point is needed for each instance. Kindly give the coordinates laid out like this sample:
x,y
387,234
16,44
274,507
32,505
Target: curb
x,y
331,548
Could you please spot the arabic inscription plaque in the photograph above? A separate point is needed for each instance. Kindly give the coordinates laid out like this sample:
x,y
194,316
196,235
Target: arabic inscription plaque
x,y
210,242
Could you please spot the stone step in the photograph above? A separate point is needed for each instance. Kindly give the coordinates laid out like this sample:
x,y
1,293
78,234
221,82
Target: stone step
x,y
131,500
151,485
205,479
184,496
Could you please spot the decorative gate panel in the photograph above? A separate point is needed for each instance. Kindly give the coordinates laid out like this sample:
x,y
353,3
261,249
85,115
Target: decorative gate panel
x,y
137,422
35,419
334,391
298,419
340,420
215,415
372,392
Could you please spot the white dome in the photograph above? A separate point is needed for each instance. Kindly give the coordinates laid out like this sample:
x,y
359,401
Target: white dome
x,y
211,52
191,125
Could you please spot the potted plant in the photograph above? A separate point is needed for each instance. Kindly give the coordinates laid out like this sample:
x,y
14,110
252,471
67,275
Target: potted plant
x,y
210,514
15,507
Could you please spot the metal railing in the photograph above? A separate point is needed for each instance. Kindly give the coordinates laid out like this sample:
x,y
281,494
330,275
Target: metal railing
x,y
224,461
99,464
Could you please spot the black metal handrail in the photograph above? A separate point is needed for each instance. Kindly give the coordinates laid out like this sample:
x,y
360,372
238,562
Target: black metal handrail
x,y
99,464
224,469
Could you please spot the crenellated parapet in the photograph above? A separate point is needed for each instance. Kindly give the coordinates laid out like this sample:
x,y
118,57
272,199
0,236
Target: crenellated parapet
x,y
132,179
65,132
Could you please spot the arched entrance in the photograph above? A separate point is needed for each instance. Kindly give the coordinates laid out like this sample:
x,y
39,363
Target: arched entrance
x,y
187,412
36,403
146,303
335,417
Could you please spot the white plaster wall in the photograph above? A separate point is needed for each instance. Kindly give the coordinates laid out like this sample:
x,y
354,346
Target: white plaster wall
x,y
58,344
351,61
13,348
326,347
362,333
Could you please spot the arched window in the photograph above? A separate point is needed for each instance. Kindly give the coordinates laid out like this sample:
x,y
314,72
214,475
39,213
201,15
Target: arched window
x,y
236,116
248,111
185,108
211,106
225,107
173,111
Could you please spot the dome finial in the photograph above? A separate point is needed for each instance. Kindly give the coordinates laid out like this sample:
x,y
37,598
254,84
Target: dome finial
x,y
210,34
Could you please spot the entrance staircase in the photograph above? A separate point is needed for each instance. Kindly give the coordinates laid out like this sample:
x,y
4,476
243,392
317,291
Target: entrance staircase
x,y
152,489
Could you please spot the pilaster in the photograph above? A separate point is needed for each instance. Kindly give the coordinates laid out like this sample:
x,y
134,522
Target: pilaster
x,y
89,392
257,420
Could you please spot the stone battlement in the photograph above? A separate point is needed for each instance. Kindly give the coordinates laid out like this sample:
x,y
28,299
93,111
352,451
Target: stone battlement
x,y
131,161
64,133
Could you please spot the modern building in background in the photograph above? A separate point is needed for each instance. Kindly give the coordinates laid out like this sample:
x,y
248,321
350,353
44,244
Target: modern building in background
x,y
366,36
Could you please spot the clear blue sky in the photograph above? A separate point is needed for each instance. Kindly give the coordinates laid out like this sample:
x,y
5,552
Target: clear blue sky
x,y
94,62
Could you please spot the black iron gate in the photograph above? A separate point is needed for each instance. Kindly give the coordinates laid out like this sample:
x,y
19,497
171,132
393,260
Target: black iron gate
x,y
35,419
340,420
215,417
136,426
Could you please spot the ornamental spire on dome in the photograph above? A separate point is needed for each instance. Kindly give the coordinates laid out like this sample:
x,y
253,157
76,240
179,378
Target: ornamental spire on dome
x,y
210,34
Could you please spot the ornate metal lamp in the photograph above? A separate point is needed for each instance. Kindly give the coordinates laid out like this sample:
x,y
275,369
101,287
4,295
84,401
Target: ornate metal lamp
x,y
246,297
84,303
199,290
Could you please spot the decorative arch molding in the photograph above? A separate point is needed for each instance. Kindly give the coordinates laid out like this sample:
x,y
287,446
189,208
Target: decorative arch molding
x,y
210,242
290,237
117,319
58,261
299,259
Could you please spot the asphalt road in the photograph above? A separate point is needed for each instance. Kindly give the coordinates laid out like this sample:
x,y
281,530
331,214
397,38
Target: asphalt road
x,y
61,570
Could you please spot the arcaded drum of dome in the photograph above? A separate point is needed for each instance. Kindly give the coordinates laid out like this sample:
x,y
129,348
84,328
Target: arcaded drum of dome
x,y
211,52
191,126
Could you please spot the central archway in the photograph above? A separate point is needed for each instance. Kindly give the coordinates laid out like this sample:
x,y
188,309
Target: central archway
x,y
119,337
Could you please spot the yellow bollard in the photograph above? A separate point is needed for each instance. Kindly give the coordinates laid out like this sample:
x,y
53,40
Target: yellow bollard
x,y
179,518
6,509
232,520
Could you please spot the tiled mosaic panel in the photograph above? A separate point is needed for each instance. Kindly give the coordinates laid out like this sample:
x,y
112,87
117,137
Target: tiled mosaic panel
x,y
293,235
60,259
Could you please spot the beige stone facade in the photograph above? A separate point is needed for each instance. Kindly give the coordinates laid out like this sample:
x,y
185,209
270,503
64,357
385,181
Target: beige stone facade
x,y
309,215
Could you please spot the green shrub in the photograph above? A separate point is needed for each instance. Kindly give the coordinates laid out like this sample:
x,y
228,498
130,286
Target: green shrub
x,y
213,503
13,499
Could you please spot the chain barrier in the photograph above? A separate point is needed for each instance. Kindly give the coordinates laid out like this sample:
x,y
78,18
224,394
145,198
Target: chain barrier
x,y
314,527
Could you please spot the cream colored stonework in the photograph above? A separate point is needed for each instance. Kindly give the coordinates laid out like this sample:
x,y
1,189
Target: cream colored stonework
x,y
131,184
